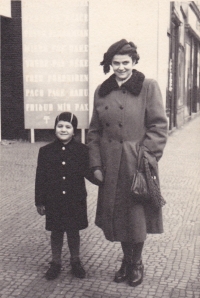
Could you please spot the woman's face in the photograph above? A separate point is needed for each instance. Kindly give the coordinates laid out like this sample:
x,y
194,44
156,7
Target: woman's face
x,y
64,131
122,66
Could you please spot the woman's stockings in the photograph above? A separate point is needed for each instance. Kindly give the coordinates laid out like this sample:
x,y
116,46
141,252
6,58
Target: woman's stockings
x,y
132,251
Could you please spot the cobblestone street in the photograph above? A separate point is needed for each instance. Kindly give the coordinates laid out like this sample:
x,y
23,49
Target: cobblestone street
x,y
171,260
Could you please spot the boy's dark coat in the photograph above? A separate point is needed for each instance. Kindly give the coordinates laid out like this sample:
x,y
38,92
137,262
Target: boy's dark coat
x,y
66,210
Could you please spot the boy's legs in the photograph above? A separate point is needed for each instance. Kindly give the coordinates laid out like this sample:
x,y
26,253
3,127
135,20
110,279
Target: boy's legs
x,y
56,248
73,238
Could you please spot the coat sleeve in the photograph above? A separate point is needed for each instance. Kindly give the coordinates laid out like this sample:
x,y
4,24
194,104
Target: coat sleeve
x,y
40,180
88,172
155,121
93,137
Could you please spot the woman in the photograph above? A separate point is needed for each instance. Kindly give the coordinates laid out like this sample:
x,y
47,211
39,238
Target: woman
x,y
60,192
128,115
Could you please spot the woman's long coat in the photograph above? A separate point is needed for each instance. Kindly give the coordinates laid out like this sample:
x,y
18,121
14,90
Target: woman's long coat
x,y
125,118
60,184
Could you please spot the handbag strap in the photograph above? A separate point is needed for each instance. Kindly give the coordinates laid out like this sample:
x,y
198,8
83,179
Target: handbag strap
x,y
140,158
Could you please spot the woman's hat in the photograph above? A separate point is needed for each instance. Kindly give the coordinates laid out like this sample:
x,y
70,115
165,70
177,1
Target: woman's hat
x,y
69,117
113,50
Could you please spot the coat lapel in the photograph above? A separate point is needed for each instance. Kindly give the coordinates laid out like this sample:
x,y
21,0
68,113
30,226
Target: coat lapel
x,y
133,85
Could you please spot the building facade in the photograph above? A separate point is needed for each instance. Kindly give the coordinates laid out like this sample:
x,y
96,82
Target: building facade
x,y
183,96
167,35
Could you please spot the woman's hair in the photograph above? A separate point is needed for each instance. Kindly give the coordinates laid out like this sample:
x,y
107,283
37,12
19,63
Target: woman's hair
x,y
122,47
131,51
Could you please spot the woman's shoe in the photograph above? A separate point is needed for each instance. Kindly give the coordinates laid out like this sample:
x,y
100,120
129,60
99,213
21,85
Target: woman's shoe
x,y
122,274
53,271
77,269
135,275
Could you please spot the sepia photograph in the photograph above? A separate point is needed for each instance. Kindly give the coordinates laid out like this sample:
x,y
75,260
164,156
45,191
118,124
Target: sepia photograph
x,y
100,149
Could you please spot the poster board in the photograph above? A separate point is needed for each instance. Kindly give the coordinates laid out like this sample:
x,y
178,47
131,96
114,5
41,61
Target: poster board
x,y
55,61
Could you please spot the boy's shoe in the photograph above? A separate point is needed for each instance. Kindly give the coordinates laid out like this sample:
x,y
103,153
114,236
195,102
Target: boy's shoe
x,y
53,271
77,269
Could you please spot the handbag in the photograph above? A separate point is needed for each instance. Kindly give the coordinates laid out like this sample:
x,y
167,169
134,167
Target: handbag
x,y
145,187
153,186
139,188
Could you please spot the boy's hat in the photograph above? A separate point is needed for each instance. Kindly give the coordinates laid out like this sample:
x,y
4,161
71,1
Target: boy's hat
x,y
69,117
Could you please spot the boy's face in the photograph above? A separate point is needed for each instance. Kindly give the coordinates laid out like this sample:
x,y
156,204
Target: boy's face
x,y
64,131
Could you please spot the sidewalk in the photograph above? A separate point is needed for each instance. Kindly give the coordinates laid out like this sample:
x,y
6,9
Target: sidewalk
x,y
171,260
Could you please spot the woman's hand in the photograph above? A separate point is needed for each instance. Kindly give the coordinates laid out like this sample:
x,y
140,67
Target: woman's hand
x,y
98,175
41,210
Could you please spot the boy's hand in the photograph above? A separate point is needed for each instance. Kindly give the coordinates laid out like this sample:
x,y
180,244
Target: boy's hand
x,y
41,210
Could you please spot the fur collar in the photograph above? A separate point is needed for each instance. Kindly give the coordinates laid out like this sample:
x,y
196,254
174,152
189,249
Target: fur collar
x,y
133,85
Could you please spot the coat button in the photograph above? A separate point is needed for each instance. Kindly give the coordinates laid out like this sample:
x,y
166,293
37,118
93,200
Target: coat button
x,y
121,107
107,124
106,107
63,162
120,125
121,141
64,192
64,177
63,148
